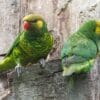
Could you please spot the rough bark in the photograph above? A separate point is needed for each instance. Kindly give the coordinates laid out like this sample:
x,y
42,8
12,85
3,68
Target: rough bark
x,y
63,18
48,84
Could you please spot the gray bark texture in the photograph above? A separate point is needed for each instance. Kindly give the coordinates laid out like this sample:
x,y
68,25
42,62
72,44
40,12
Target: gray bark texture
x,y
63,18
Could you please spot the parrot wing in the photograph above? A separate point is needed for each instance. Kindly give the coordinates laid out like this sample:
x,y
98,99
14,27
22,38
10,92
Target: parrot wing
x,y
79,45
15,43
78,54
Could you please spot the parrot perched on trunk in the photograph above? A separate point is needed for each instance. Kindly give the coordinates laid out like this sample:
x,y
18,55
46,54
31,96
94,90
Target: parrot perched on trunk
x,y
80,50
32,45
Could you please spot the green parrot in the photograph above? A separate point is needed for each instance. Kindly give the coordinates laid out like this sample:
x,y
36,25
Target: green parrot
x,y
80,50
32,45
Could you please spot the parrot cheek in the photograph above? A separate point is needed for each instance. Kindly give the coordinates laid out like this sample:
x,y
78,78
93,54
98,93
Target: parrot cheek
x,y
98,30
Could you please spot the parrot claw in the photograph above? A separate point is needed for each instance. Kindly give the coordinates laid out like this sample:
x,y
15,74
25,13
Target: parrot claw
x,y
18,69
42,62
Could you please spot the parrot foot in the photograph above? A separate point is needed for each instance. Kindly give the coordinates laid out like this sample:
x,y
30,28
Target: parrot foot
x,y
18,69
42,63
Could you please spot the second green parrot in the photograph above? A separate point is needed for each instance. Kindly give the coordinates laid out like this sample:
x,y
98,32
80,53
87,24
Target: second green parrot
x,y
32,44
80,50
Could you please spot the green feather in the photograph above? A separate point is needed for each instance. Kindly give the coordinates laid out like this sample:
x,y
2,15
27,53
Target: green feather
x,y
29,47
80,50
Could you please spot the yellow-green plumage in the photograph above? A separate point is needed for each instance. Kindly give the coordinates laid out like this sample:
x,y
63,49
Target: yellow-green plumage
x,y
30,46
80,50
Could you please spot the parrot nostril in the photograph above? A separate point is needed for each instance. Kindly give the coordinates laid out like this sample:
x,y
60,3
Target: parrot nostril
x,y
26,25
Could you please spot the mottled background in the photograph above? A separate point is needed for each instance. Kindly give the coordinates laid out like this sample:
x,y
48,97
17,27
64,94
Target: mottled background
x,y
63,18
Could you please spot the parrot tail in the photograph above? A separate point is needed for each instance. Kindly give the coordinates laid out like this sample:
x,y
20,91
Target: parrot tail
x,y
78,68
70,80
7,63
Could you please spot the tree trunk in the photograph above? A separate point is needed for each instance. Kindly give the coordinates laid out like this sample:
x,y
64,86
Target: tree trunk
x,y
63,17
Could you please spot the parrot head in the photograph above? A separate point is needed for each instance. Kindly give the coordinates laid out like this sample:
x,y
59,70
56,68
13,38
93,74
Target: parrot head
x,y
98,27
34,22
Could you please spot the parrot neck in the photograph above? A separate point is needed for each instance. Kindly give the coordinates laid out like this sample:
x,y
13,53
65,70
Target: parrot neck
x,y
34,34
88,29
